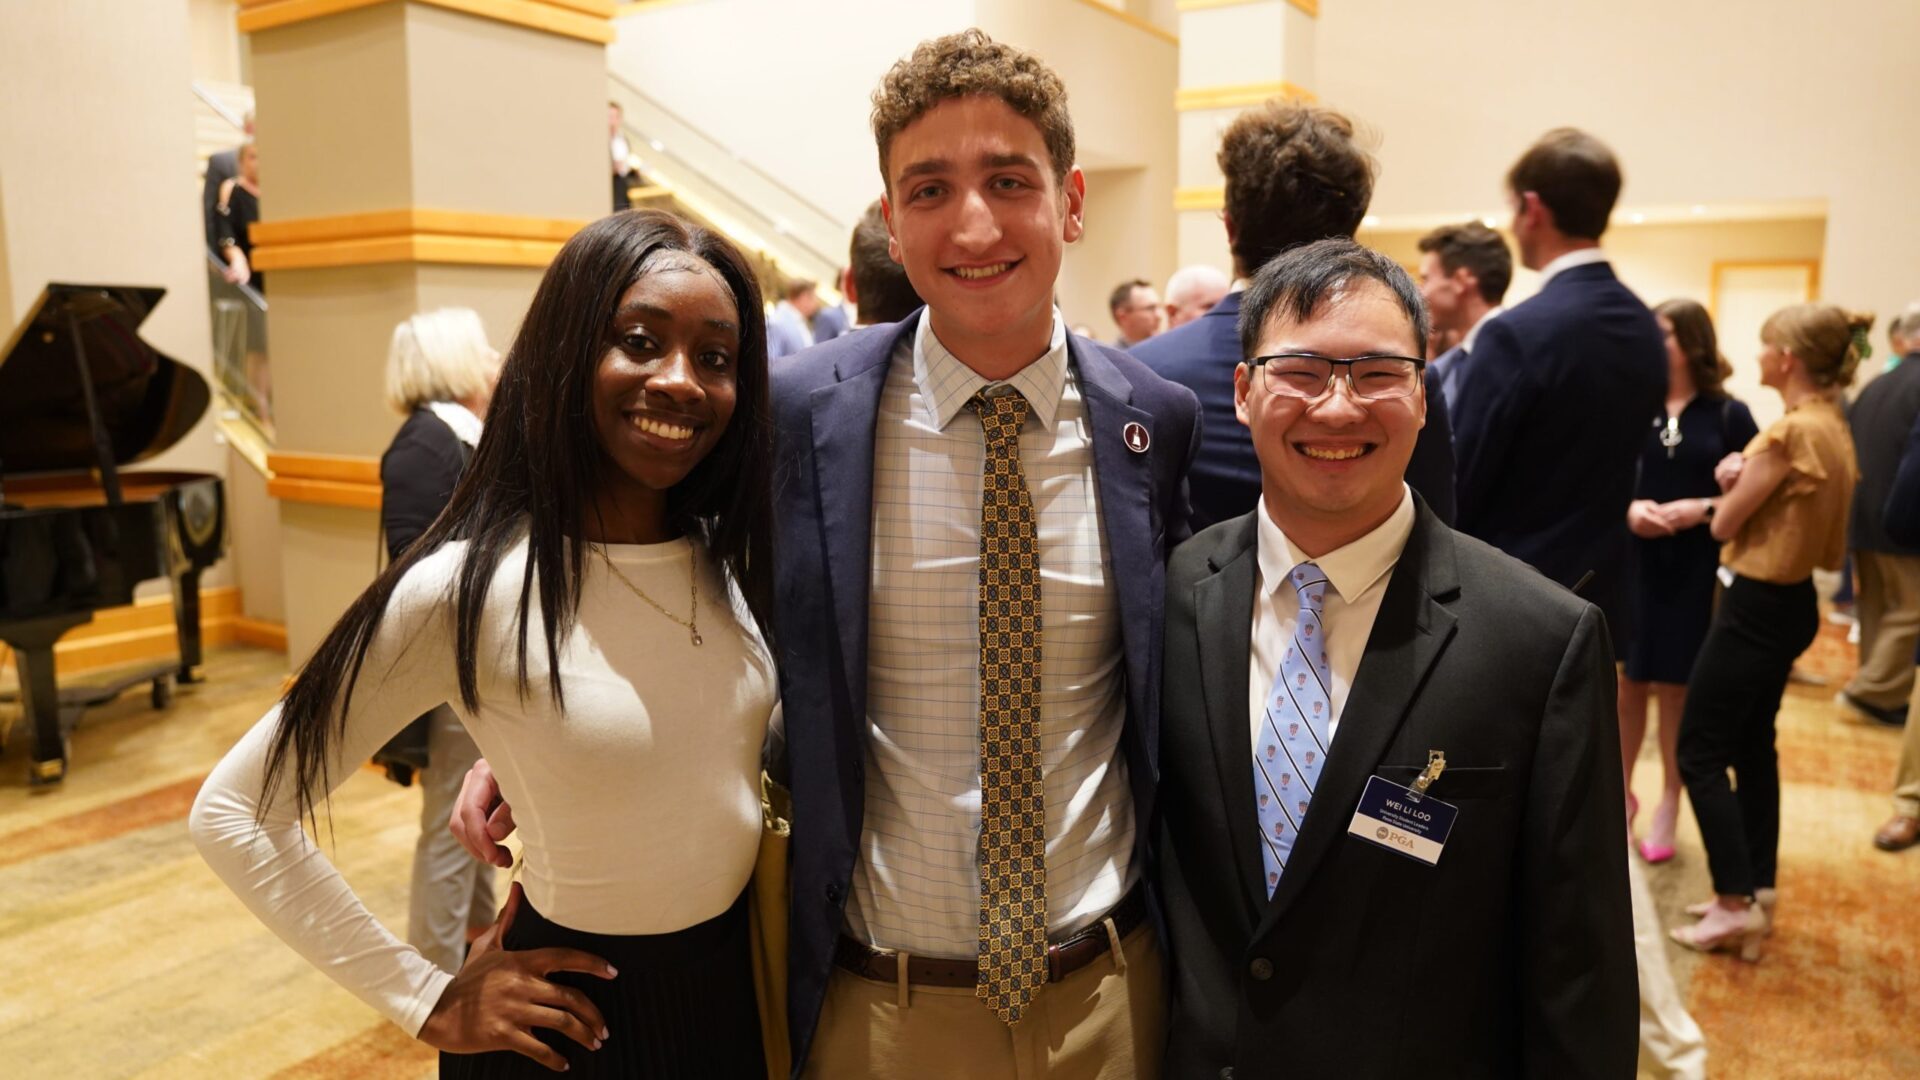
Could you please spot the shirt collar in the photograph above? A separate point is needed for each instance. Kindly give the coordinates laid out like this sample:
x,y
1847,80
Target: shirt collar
x,y
465,425
947,384
1473,332
1352,569
1578,257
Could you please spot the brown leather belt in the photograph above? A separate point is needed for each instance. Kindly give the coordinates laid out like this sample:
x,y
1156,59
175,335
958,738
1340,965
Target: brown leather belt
x,y
1063,958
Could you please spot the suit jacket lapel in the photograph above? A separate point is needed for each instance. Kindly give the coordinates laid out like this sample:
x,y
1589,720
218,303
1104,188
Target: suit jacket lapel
x,y
1408,635
1137,553
1223,610
845,415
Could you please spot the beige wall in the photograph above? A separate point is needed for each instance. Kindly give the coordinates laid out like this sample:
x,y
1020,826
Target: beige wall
x,y
97,174
214,40
1704,102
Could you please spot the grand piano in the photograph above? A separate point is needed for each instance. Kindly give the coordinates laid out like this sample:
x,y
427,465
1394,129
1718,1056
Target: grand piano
x,y
80,396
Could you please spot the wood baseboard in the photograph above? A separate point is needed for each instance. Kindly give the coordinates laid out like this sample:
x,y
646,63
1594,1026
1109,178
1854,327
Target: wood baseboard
x,y
143,631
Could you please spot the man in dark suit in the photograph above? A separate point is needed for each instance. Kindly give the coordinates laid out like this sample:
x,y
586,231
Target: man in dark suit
x,y
1327,653
1293,175
1556,396
221,167
1464,273
1888,602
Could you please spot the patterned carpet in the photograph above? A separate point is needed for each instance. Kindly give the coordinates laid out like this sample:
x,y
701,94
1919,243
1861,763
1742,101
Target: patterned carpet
x,y
124,957
1834,994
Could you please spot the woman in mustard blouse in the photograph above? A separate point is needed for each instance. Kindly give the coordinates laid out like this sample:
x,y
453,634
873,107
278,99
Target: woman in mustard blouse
x,y
1783,513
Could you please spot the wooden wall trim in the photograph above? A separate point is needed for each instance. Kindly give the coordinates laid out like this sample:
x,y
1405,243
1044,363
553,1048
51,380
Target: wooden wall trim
x,y
413,234
1200,198
1135,21
1239,95
143,631
325,480
1310,7
586,20
260,633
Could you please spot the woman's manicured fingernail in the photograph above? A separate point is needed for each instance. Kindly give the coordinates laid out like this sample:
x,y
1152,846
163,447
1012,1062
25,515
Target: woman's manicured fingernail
x,y
612,972
603,1032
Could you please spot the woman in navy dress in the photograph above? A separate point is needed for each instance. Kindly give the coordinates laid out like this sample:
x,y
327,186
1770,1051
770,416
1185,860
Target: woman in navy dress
x,y
1675,555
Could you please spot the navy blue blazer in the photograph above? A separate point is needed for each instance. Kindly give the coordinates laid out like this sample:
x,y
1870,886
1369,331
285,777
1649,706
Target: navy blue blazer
x,y
1900,516
826,404
1553,407
1201,356
1880,418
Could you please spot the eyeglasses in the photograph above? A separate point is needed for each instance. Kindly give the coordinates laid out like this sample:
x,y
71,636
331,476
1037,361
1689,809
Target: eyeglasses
x,y
1309,376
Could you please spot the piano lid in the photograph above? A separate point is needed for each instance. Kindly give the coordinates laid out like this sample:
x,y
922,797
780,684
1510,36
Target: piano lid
x,y
147,400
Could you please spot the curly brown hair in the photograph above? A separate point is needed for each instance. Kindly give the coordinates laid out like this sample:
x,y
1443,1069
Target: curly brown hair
x,y
1294,175
964,65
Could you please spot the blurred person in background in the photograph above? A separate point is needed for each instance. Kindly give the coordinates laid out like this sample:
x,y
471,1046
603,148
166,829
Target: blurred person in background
x,y
1464,273
221,167
1887,599
1901,518
832,320
788,331
1192,291
1554,398
440,375
1674,554
625,173
876,286
1135,308
1783,514
235,210
1294,174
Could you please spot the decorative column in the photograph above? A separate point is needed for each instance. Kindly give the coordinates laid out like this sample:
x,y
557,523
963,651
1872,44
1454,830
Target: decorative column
x,y
1233,54
414,154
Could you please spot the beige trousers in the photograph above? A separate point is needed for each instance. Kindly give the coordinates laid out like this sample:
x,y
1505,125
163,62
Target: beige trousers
x,y
1106,1021
1671,1044
1906,778
1888,605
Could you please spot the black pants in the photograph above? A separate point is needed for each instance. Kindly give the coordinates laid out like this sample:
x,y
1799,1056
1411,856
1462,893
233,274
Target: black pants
x,y
1735,694
681,1008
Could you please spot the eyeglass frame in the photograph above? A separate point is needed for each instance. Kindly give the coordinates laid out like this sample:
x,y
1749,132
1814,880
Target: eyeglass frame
x,y
1333,372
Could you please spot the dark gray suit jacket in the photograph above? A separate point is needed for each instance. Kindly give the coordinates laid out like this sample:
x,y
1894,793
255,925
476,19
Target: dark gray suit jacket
x,y
1513,956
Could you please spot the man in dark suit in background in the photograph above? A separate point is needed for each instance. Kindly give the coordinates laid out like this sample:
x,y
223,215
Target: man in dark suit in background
x,y
1555,400
221,167
1464,274
876,286
1888,602
1323,653
1293,175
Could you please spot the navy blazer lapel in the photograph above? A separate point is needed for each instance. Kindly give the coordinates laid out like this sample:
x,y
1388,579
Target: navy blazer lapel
x,y
1408,635
1135,544
1223,622
845,416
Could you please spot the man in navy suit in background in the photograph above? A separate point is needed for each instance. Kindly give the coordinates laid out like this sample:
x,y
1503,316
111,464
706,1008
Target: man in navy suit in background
x,y
1464,273
1555,400
1293,176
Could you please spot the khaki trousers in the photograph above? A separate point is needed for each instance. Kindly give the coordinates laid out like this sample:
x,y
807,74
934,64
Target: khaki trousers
x,y
451,891
1671,1044
1888,605
1906,777
1106,1021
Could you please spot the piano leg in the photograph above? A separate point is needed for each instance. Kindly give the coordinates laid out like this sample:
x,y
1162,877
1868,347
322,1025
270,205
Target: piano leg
x,y
33,652
186,621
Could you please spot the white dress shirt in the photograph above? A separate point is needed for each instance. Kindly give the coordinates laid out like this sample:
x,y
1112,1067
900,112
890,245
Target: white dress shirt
x,y
1578,257
916,886
1473,332
1358,572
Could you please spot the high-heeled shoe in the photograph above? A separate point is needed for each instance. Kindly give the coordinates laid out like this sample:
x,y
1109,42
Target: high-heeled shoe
x,y
1658,846
1655,853
1767,899
1743,939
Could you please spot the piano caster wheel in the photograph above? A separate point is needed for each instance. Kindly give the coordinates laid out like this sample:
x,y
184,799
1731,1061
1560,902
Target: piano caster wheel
x,y
43,775
187,677
162,694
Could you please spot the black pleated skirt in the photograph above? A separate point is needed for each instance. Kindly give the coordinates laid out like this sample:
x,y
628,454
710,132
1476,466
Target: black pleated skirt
x,y
682,1006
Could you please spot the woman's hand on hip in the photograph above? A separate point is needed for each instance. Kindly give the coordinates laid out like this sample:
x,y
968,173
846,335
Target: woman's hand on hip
x,y
500,996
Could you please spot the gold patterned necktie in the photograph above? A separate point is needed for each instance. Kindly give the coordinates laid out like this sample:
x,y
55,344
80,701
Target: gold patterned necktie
x,y
1013,812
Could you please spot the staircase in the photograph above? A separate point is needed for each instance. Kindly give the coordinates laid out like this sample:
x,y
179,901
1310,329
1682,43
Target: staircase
x,y
219,113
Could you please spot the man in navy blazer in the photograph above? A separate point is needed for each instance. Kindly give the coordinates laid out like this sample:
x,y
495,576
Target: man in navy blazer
x,y
981,197
1293,176
1556,396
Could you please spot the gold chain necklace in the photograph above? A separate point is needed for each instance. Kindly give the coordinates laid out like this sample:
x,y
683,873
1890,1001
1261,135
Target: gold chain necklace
x,y
691,622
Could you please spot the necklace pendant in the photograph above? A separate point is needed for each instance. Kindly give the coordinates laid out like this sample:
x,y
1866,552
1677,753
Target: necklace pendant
x,y
695,635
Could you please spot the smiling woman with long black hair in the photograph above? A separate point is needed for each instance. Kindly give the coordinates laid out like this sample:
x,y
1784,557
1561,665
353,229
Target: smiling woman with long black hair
x,y
594,605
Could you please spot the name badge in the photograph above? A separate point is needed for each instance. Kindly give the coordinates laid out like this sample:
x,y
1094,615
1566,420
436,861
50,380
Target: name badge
x,y
1402,820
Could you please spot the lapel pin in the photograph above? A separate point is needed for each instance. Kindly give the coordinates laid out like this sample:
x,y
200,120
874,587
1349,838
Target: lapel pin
x,y
1136,437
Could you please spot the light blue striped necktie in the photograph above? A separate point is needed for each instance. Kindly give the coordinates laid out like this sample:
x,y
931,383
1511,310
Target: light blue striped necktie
x,y
1293,739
